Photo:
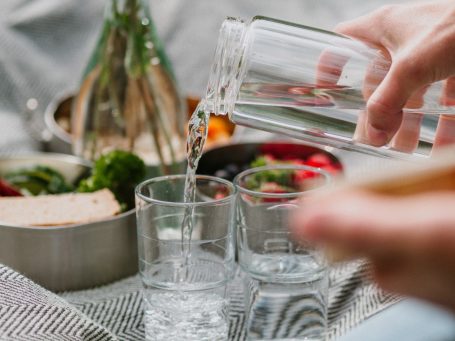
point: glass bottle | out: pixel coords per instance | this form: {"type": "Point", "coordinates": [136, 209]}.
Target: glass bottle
{"type": "Point", "coordinates": [313, 85]}
{"type": "Point", "coordinates": [128, 97]}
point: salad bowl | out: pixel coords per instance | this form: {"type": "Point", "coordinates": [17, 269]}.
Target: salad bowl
{"type": "Point", "coordinates": [69, 257]}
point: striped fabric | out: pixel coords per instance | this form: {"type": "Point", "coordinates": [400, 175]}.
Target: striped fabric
{"type": "Point", "coordinates": [118, 306]}
{"type": "Point", "coordinates": [114, 312]}
{"type": "Point", "coordinates": [31, 313]}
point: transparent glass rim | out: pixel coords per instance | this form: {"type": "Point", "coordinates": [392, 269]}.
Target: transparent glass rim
{"type": "Point", "coordinates": [240, 188]}
{"type": "Point", "coordinates": [150, 200]}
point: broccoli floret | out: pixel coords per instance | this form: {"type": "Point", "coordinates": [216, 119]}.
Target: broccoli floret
{"type": "Point", "coordinates": [120, 171]}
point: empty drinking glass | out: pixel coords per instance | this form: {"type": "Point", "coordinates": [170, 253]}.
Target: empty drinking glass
{"type": "Point", "coordinates": [185, 276]}
{"type": "Point", "coordinates": [285, 281]}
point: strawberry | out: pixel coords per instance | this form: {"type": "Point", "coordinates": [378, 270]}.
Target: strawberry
{"type": "Point", "coordinates": [318, 160]}
{"type": "Point", "coordinates": [304, 174]}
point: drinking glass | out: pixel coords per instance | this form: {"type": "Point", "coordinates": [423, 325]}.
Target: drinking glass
{"type": "Point", "coordinates": [285, 281]}
{"type": "Point", "coordinates": [185, 280]}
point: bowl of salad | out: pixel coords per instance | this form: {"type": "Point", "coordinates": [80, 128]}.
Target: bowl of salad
{"type": "Point", "coordinates": [229, 160]}
{"type": "Point", "coordinates": [66, 223]}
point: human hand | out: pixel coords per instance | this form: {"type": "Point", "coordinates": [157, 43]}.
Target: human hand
{"type": "Point", "coordinates": [409, 240]}
{"type": "Point", "coordinates": [419, 39]}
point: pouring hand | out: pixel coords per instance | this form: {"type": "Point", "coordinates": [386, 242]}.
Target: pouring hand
{"type": "Point", "coordinates": [420, 41]}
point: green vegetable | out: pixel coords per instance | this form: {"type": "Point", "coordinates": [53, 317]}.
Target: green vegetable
{"type": "Point", "coordinates": [282, 177]}
{"type": "Point", "coordinates": [120, 171]}
{"type": "Point", "coordinates": [259, 162]}
{"type": "Point", "coordinates": [38, 180]}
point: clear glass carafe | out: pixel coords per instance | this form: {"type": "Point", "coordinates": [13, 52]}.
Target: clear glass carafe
{"type": "Point", "coordinates": [128, 97]}
{"type": "Point", "coordinates": [313, 85]}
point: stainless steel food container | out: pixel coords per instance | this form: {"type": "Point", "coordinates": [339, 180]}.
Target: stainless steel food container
{"type": "Point", "coordinates": [71, 257]}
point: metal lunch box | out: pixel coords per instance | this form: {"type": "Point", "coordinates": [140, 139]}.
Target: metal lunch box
{"type": "Point", "coordinates": [71, 257]}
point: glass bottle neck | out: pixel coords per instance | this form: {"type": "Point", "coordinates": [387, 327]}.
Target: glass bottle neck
{"type": "Point", "coordinates": [226, 72]}
{"type": "Point", "coordinates": [139, 8]}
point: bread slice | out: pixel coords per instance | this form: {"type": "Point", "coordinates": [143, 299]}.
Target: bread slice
{"type": "Point", "coordinates": [58, 209]}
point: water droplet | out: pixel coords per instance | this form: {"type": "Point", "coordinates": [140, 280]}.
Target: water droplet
{"type": "Point", "coordinates": [145, 21]}
{"type": "Point", "coordinates": [155, 61]}
{"type": "Point", "coordinates": [149, 45]}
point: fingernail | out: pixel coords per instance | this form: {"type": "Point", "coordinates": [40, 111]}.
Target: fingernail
{"type": "Point", "coordinates": [376, 137]}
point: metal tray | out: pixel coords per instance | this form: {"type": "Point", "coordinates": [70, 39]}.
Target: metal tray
{"type": "Point", "coordinates": [71, 257]}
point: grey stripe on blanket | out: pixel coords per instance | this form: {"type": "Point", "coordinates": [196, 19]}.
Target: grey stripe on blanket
{"type": "Point", "coordinates": [29, 312]}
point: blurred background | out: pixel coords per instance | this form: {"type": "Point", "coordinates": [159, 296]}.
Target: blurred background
{"type": "Point", "coordinates": [45, 44]}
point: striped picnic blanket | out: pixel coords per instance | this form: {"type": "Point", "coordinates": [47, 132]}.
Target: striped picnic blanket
{"type": "Point", "coordinates": [115, 311]}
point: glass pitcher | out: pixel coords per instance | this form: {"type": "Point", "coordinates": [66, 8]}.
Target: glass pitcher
{"type": "Point", "coordinates": [313, 85]}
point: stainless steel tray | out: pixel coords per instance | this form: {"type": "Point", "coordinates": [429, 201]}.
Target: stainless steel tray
{"type": "Point", "coordinates": [69, 257]}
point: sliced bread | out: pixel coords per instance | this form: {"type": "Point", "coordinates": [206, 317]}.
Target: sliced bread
{"type": "Point", "coordinates": [60, 209]}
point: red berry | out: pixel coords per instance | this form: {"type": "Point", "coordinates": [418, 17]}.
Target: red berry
{"type": "Point", "coordinates": [318, 160]}
{"type": "Point", "coordinates": [302, 175]}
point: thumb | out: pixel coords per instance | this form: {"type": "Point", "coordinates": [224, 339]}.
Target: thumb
{"type": "Point", "coordinates": [385, 106]}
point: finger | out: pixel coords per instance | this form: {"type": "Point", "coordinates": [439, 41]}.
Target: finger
{"type": "Point", "coordinates": [374, 225]}
{"type": "Point", "coordinates": [448, 92]}
{"type": "Point", "coordinates": [331, 63]}
{"type": "Point", "coordinates": [407, 137]}
{"type": "Point", "coordinates": [445, 132]}
{"type": "Point", "coordinates": [374, 75]}
{"type": "Point", "coordinates": [385, 105]}
{"type": "Point", "coordinates": [360, 133]}
{"type": "Point", "coordinates": [329, 68]}
{"type": "Point", "coordinates": [360, 28]}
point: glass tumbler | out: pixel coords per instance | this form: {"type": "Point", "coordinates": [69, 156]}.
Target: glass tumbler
{"type": "Point", "coordinates": [285, 281]}
{"type": "Point", "coordinates": [185, 279]}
